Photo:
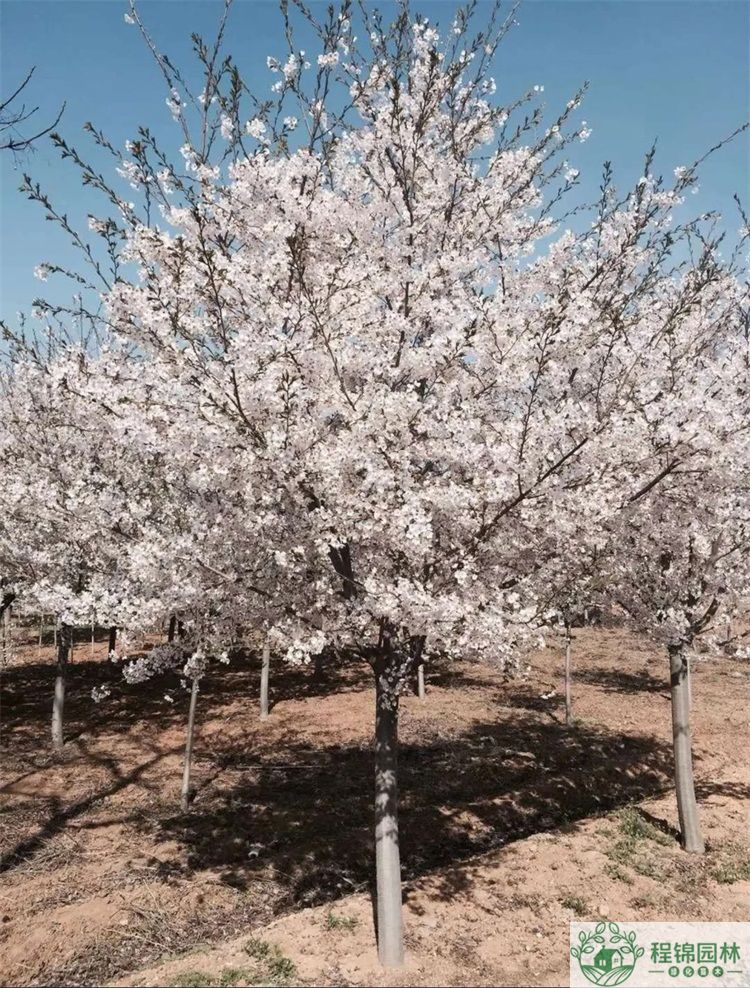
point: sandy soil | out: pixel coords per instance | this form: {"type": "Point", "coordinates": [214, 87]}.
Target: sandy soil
{"type": "Point", "coordinates": [512, 825]}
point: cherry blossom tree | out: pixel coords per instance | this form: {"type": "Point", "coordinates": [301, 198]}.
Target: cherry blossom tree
{"type": "Point", "coordinates": [334, 307]}
{"type": "Point", "coordinates": [680, 548]}
{"type": "Point", "coordinates": [421, 387]}
{"type": "Point", "coordinates": [366, 391]}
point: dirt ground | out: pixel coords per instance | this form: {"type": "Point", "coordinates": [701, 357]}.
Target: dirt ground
{"type": "Point", "coordinates": [512, 825]}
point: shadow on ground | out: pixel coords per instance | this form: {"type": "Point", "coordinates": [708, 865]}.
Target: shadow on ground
{"type": "Point", "coordinates": [622, 681]}
{"type": "Point", "coordinates": [307, 815]}
{"type": "Point", "coordinates": [298, 815]}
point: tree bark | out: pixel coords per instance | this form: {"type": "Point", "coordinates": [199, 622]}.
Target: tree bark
{"type": "Point", "coordinates": [64, 644]}
{"type": "Point", "coordinates": [387, 859]}
{"type": "Point", "coordinates": [112, 639]}
{"type": "Point", "coordinates": [264, 676]}
{"type": "Point", "coordinates": [185, 796]}
{"type": "Point", "coordinates": [568, 685]}
{"type": "Point", "coordinates": [687, 807]}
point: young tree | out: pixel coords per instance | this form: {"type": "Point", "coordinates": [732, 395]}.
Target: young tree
{"type": "Point", "coordinates": [680, 547]}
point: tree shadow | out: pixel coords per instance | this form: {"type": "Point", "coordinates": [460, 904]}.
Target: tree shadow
{"type": "Point", "coordinates": [445, 675]}
{"type": "Point", "coordinates": [306, 819]}
{"type": "Point", "coordinates": [621, 681]}
{"type": "Point", "coordinates": [60, 815]}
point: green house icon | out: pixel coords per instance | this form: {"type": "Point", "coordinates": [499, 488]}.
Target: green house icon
{"type": "Point", "coordinates": [608, 959]}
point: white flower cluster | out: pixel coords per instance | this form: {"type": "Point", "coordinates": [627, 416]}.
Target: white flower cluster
{"type": "Point", "coordinates": [358, 392]}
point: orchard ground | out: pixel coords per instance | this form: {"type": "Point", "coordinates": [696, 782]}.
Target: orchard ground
{"type": "Point", "coordinates": [512, 825]}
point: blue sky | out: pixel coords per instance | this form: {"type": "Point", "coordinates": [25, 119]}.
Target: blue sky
{"type": "Point", "coordinates": [675, 70]}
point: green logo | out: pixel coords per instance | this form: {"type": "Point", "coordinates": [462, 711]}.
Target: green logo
{"type": "Point", "coordinates": [606, 955]}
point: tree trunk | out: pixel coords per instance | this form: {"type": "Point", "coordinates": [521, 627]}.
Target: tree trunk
{"type": "Point", "coordinates": [64, 644]}
{"type": "Point", "coordinates": [318, 668]}
{"type": "Point", "coordinates": [417, 648]}
{"type": "Point", "coordinates": [112, 639]}
{"type": "Point", "coordinates": [172, 628]}
{"type": "Point", "coordinates": [687, 807]}
{"type": "Point", "coordinates": [5, 656]}
{"type": "Point", "coordinates": [264, 675]}
{"type": "Point", "coordinates": [93, 636]}
{"type": "Point", "coordinates": [568, 690]}
{"type": "Point", "coordinates": [387, 860]}
{"type": "Point", "coordinates": [5, 601]}
{"type": "Point", "coordinates": [420, 681]}
{"type": "Point", "coordinates": [6, 635]}
{"type": "Point", "coordinates": [185, 798]}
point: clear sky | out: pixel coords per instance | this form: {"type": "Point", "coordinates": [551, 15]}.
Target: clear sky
{"type": "Point", "coordinates": [674, 70]}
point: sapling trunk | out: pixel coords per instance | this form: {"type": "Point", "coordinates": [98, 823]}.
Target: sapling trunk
{"type": "Point", "coordinates": [64, 646]}
{"type": "Point", "coordinates": [185, 797]}
{"type": "Point", "coordinates": [93, 636]}
{"type": "Point", "coordinates": [6, 635]}
{"type": "Point", "coordinates": [420, 681]}
{"type": "Point", "coordinates": [264, 676]}
{"type": "Point", "coordinates": [112, 639]}
{"type": "Point", "coordinates": [5, 656]}
{"type": "Point", "coordinates": [568, 685]}
{"type": "Point", "coordinates": [172, 628]}
{"type": "Point", "coordinates": [387, 860]}
{"type": "Point", "coordinates": [417, 650]}
{"type": "Point", "coordinates": [687, 807]}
